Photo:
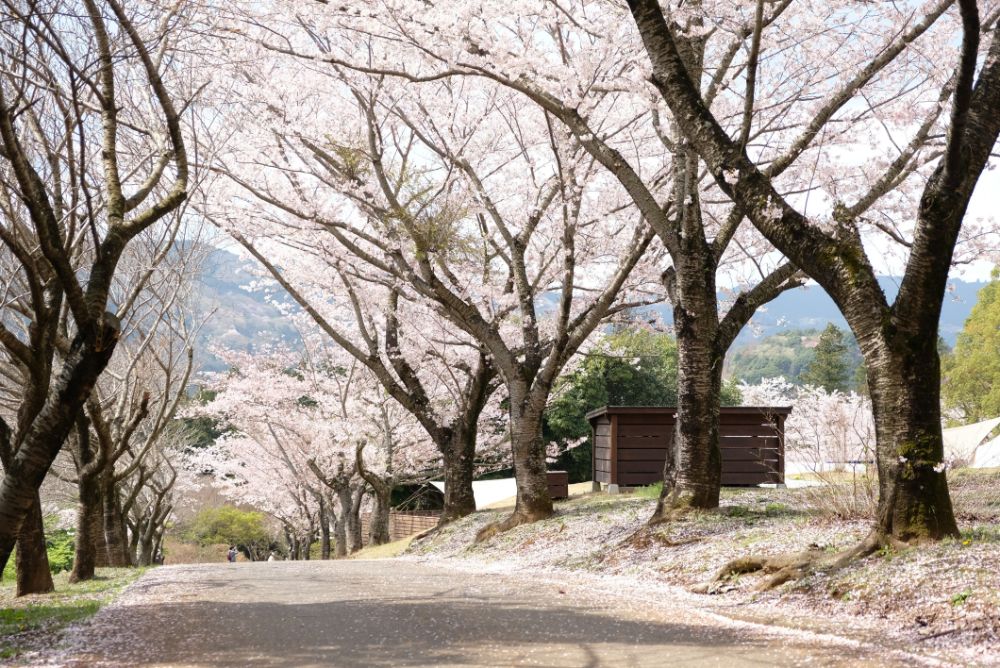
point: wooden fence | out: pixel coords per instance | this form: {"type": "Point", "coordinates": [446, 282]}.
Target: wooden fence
{"type": "Point", "coordinates": [403, 523]}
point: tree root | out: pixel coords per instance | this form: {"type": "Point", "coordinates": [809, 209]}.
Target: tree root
{"type": "Point", "coordinates": [647, 535]}
{"type": "Point", "coordinates": [515, 519]}
{"type": "Point", "coordinates": [669, 514]}
{"type": "Point", "coordinates": [789, 567]}
{"type": "Point", "coordinates": [427, 533]}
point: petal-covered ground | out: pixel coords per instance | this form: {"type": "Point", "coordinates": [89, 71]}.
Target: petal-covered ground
{"type": "Point", "coordinates": [401, 613]}
{"type": "Point", "coordinates": [942, 600]}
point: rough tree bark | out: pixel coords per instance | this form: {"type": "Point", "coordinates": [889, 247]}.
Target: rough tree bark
{"type": "Point", "coordinates": [86, 359]}
{"type": "Point", "coordinates": [533, 502]}
{"type": "Point", "coordinates": [115, 541]}
{"type": "Point", "coordinates": [459, 470]}
{"type": "Point", "coordinates": [340, 535]}
{"type": "Point", "coordinates": [898, 341]}
{"type": "Point", "coordinates": [34, 575]}
{"type": "Point", "coordinates": [381, 486]}
{"type": "Point", "coordinates": [349, 496]}
{"type": "Point", "coordinates": [324, 530]}
{"type": "Point", "coordinates": [354, 499]}
{"type": "Point", "coordinates": [122, 218]}
{"type": "Point", "coordinates": [89, 544]}
{"type": "Point", "coordinates": [32, 560]}
{"type": "Point", "coordinates": [89, 523]}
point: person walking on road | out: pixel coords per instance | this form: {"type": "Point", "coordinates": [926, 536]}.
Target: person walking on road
{"type": "Point", "coordinates": [231, 557]}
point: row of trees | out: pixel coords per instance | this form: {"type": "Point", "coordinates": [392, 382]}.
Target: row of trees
{"type": "Point", "coordinates": [308, 435]}
{"type": "Point", "coordinates": [95, 337]}
{"type": "Point", "coordinates": [700, 126]}
{"type": "Point", "coordinates": [459, 195]}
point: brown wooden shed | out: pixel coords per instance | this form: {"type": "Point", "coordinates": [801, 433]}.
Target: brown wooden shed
{"type": "Point", "coordinates": [631, 444]}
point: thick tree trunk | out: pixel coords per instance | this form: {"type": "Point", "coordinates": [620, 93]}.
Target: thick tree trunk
{"type": "Point", "coordinates": [85, 361]}
{"type": "Point", "coordinates": [158, 546]}
{"type": "Point", "coordinates": [347, 519]}
{"type": "Point", "coordinates": [459, 469]}
{"type": "Point", "coordinates": [898, 341]}
{"type": "Point", "coordinates": [306, 545]}
{"type": "Point", "coordinates": [145, 556]}
{"type": "Point", "coordinates": [32, 561]}
{"type": "Point", "coordinates": [693, 472]}
{"type": "Point", "coordinates": [116, 544]}
{"type": "Point", "coordinates": [528, 448]}
{"type": "Point", "coordinates": [340, 536]}
{"type": "Point", "coordinates": [355, 540]}
{"type": "Point", "coordinates": [99, 534]}
{"type": "Point", "coordinates": [533, 502]}
{"type": "Point", "coordinates": [378, 526]}
{"type": "Point", "coordinates": [324, 531]}
{"type": "Point", "coordinates": [904, 382]}
{"type": "Point", "coordinates": [89, 529]}
{"type": "Point", "coordinates": [134, 536]}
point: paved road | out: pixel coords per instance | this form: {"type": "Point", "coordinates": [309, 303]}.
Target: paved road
{"type": "Point", "coordinates": [398, 613]}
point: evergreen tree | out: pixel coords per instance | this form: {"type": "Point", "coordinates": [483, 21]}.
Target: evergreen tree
{"type": "Point", "coordinates": [970, 382]}
{"type": "Point", "coordinates": [830, 367]}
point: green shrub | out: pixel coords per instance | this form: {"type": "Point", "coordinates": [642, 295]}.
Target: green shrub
{"type": "Point", "coordinates": [60, 546]}
{"type": "Point", "coordinates": [226, 524]}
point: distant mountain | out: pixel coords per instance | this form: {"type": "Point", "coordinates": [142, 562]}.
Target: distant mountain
{"type": "Point", "coordinates": [810, 308]}
{"type": "Point", "coordinates": [245, 319]}
{"type": "Point", "coordinates": [236, 317]}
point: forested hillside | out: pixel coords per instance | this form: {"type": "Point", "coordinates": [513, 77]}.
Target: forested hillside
{"type": "Point", "coordinates": [787, 354]}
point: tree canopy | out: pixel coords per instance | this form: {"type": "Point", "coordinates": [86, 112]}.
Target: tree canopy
{"type": "Point", "coordinates": [971, 373]}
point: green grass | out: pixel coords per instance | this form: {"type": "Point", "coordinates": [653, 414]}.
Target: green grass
{"type": "Point", "coordinates": [31, 621]}
{"type": "Point", "coordinates": [649, 492]}
{"type": "Point", "coordinates": [960, 598]}
{"type": "Point", "coordinates": [386, 551]}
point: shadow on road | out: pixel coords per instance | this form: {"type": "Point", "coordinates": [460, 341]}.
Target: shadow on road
{"type": "Point", "coordinates": [364, 615]}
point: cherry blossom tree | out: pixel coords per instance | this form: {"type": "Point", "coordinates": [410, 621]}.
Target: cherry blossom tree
{"type": "Point", "coordinates": [694, 473]}
{"type": "Point", "coordinates": [464, 203]}
{"type": "Point", "coordinates": [899, 98]}
{"type": "Point", "coordinates": [444, 379]}
{"type": "Point", "coordinates": [86, 169]}
{"type": "Point", "coordinates": [593, 73]}
{"type": "Point", "coordinates": [825, 428]}
{"type": "Point", "coordinates": [898, 341]}
{"type": "Point", "coordinates": [300, 417]}
{"type": "Point", "coordinates": [152, 492]}
{"type": "Point", "coordinates": [135, 400]}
